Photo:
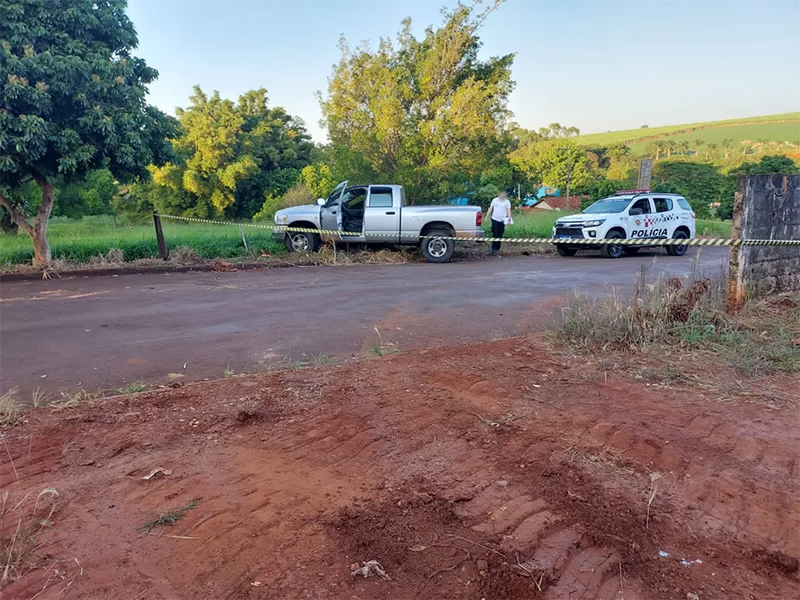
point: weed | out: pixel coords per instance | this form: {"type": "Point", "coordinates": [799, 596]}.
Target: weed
{"type": "Point", "coordinates": [651, 495]}
{"type": "Point", "coordinates": [227, 373]}
{"type": "Point", "coordinates": [10, 412]}
{"type": "Point", "coordinates": [133, 388]}
{"type": "Point", "coordinates": [595, 456]}
{"type": "Point", "coordinates": [73, 400]}
{"type": "Point", "coordinates": [168, 519]}
{"type": "Point", "coordinates": [376, 350]}
{"type": "Point", "coordinates": [40, 397]}
{"type": "Point", "coordinates": [324, 360]}
{"type": "Point", "coordinates": [19, 543]}
{"type": "Point", "coordinates": [759, 340]}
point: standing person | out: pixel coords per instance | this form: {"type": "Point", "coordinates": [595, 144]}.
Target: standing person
{"type": "Point", "coordinates": [500, 210]}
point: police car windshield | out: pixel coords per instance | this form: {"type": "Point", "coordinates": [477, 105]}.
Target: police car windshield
{"type": "Point", "coordinates": [608, 205]}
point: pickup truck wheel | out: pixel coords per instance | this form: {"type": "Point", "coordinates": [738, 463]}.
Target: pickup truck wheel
{"type": "Point", "coordinates": [435, 249]}
{"type": "Point", "coordinates": [565, 250]}
{"type": "Point", "coordinates": [678, 250]}
{"type": "Point", "coordinates": [612, 250]}
{"type": "Point", "coordinates": [298, 241]}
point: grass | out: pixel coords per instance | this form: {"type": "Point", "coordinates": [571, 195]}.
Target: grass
{"type": "Point", "coordinates": [20, 532]}
{"type": "Point", "coordinates": [784, 125]}
{"type": "Point", "coordinates": [169, 518]}
{"type": "Point", "coordinates": [96, 242]}
{"type": "Point", "coordinates": [762, 339]}
{"type": "Point", "coordinates": [710, 228]}
{"type": "Point", "coordinates": [133, 388]}
{"type": "Point", "coordinates": [87, 239]}
{"type": "Point", "coordinates": [10, 412]}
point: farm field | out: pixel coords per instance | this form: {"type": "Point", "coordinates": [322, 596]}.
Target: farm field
{"type": "Point", "coordinates": [782, 127]}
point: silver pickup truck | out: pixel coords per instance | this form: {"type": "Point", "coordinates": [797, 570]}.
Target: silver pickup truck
{"type": "Point", "coordinates": [378, 214]}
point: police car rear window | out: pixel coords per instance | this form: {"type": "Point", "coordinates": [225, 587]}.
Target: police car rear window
{"type": "Point", "coordinates": [684, 204]}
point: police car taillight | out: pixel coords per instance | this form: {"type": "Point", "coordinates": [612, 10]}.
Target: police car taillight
{"type": "Point", "coordinates": [478, 219]}
{"type": "Point", "coordinates": [693, 215]}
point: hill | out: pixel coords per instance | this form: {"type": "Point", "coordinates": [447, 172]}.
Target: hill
{"type": "Point", "coordinates": [772, 128]}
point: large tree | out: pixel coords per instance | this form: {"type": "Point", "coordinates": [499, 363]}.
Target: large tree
{"type": "Point", "coordinates": [230, 155]}
{"type": "Point", "coordinates": [425, 113]}
{"type": "Point", "coordinates": [73, 99]}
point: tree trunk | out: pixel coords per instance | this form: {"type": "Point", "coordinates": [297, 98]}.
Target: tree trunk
{"type": "Point", "coordinates": [41, 246]}
{"type": "Point", "coordinates": [8, 225]}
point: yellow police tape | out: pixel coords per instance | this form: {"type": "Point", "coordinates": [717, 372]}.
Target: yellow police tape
{"type": "Point", "coordinates": [513, 240]}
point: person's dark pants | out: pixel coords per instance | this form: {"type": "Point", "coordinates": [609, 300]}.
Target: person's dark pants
{"type": "Point", "coordinates": [498, 228]}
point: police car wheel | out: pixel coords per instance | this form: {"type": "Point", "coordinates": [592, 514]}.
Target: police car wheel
{"type": "Point", "coordinates": [565, 250]}
{"type": "Point", "coordinates": [612, 250]}
{"type": "Point", "coordinates": [681, 249]}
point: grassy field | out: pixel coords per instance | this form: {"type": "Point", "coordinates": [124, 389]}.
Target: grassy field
{"type": "Point", "coordinates": [783, 127]}
{"type": "Point", "coordinates": [78, 241]}
{"type": "Point", "coordinates": [81, 241]}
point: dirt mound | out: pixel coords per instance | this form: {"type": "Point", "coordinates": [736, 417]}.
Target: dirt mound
{"type": "Point", "coordinates": [492, 471]}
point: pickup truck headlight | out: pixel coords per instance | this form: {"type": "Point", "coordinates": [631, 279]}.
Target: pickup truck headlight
{"type": "Point", "coordinates": [595, 223]}
{"type": "Point", "coordinates": [280, 219]}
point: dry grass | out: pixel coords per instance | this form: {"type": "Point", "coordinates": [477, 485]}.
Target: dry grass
{"type": "Point", "coordinates": [668, 313]}
{"type": "Point", "coordinates": [10, 410]}
{"type": "Point", "coordinates": [114, 257]}
{"type": "Point", "coordinates": [593, 456]}
{"type": "Point", "coordinates": [75, 400]}
{"type": "Point", "coordinates": [21, 527]}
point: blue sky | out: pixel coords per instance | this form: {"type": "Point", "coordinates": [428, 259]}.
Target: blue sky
{"type": "Point", "coordinates": [596, 64]}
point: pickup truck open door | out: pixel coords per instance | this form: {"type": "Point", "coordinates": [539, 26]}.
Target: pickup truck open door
{"type": "Point", "coordinates": [330, 216]}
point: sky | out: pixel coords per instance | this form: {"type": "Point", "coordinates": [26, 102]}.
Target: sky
{"type": "Point", "coordinates": [599, 65]}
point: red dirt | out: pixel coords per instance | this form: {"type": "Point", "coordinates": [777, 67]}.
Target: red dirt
{"type": "Point", "coordinates": [492, 471]}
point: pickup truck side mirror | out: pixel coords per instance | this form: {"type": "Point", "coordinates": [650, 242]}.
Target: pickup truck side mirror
{"type": "Point", "coordinates": [635, 211]}
{"type": "Point", "coordinates": [321, 201]}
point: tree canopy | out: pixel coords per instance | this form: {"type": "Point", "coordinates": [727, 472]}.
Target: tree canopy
{"type": "Point", "coordinates": [425, 113]}
{"type": "Point", "coordinates": [73, 100]}
{"type": "Point", "coordinates": [230, 156]}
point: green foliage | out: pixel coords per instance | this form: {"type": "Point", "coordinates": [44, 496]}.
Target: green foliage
{"type": "Point", "coordinates": [768, 164]}
{"type": "Point", "coordinates": [92, 196]}
{"type": "Point", "coordinates": [425, 113]}
{"type": "Point", "coordinates": [231, 155]}
{"type": "Point", "coordinates": [318, 179]}
{"type": "Point", "coordinates": [73, 100]}
{"type": "Point", "coordinates": [548, 161]}
{"type": "Point", "coordinates": [699, 183]}
{"type": "Point", "coordinates": [484, 195]}
{"type": "Point", "coordinates": [297, 195]}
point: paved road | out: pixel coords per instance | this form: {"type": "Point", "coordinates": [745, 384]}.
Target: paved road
{"type": "Point", "coordinates": [100, 333]}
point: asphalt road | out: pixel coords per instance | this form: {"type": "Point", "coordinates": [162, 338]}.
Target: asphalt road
{"type": "Point", "coordinates": [101, 333]}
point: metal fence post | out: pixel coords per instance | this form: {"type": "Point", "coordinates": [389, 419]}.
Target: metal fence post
{"type": "Point", "coordinates": [163, 252]}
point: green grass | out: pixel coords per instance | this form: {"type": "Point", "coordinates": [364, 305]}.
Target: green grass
{"type": "Point", "coordinates": [530, 224]}
{"type": "Point", "coordinates": [782, 127]}
{"type": "Point", "coordinates": [77, 241]}
{"type": "Point", "coordinates": [713, 228]}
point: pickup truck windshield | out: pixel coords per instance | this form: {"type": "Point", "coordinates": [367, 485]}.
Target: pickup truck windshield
{"type": "Point", "coordinates": [607, 205]}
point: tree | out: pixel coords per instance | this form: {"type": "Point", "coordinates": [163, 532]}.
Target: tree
{"type": "Point", "coordinates": [671, 146]}
{"type": "Point", "coordinates": [92, 196]}
{"type": "Point", "coordinates": [698, 144]}
{"type": "Point", "coordinates": [318, 179]}
{"type": "Point", "coordinates": [551, 161]}
{"type": "Point", "coordinates": [711, 149]}
{"type": "Point", "coordinates": [699, 183]}
{"type": "Point", "coordinates": [745, 146]}
{"type": "Point", "coordinates": [73, 100]}
{"type": "Point", "coordinates": [424, 113]}
{"type": "Point", "coordinates": [727, 145]}
{"type": "Point", "coordinates": [767, 164]}
{"type": "Point", "coordinates": [231, 155]}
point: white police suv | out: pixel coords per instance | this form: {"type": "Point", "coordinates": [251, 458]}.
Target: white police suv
{"type": "Point", "coordinates": [629, 214]}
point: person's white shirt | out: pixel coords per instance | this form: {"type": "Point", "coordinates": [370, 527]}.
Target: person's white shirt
{"type": "Point", "coordinates": [501, 210]}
